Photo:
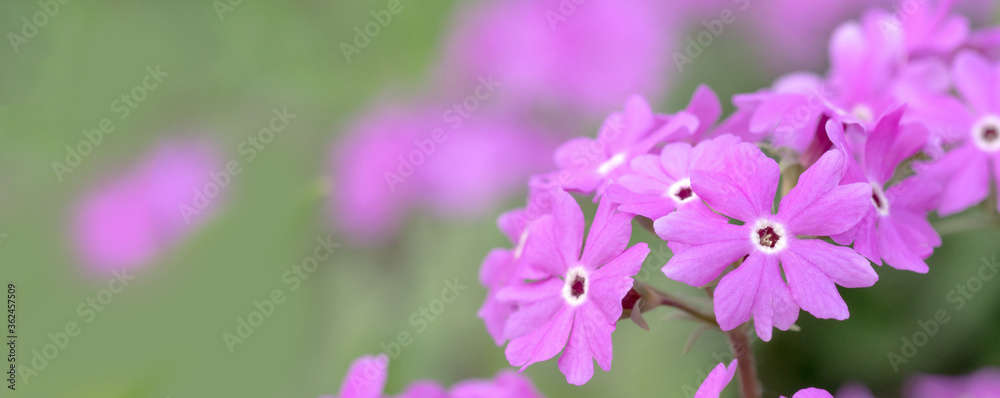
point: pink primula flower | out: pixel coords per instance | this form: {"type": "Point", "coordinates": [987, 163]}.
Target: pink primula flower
{"type": "Point", "coordinates": [745, 191]}
{"type": "Point", "coordinates": [895, 228]}
{"type": "Point", "coordinates": [966, 171]}
{"type": "Point", "coordinates": [659, 184]}
{"type": "Point", "coordinates": [575, 300]}
{"type": "Point", "coordinates": [128, 221]}
{"type": "Point", "coordinates": [589, 165]}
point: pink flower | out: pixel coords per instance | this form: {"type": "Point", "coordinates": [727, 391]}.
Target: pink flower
{"type": "Point", "coordinates": [500, 266]}
{"type": "Point", "coordinates": [722, 375]}
{"type": "Point", "coordinates": [717, 380]}
{"type": "Point", "coordinates": [394, 161]}
{"type": "Point", "coordinates": [895, 228]}
{"type": "Point", "coordinates": [811, 393]}
{"type": "Point", "coordinates": [506, 384]}
{"type": "Point", "coordinates": [575, 300]}
{"type": "Point", "coordinates": [745, 191]}
{"type": "Point", "coordinates": [580, 57]}
{"type": "Point", "coordinates": [130, 220]}
{"type": "Point", "coordinates": [985, 383]}
{"type": "Point", "coordinates": [659, 184]}
{"type": "Point", "coordinates": [365, 378]}
{"type": "Point", "coordinates": [854, 390]}
{"type": "Point", "coordinates": [965, 171]}
{"type": "Point", "coordinates": [589, 165]}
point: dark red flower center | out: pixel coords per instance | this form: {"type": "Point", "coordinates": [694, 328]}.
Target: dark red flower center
{"type": "Point", "coordinates": [990, 134]}
{"type": "Point", "coordinates": [578, 288]}
{"type": "Point", "coordinates": [877, 201]}
{"type": "Point", "coordinates": [684, 193]}
{"type": "Point", "coordinates": [768, 237]}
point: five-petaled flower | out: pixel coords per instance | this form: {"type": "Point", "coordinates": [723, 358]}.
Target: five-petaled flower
{"type": "Point", "coordinates": [573, 299]}
{"type": "Point", "coordinates": [745, 191]}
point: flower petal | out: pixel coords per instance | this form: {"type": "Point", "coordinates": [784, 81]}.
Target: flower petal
{"type": "Point", "coordinates": [610, 283]}
{"type": "Point", "coordinates": [717, 380]}
{"type": "Point", "coordinates": [542, 344]}
{"type": "Point", "coordinates": [897, 252]}
{"type": "Point", "coordinates": [589, 340]}
{"type": "Point", "coordinates": [745, 190]}
{"type": "Point", "coordinates": [977, 80]}
{"type": "Point", "coordinates": [710, 244]}
{"type": "Point", "coordinates": [817, 206]}
{"type": "Point", "coordinates": [365, 378]}
{"type": "Point", "coordinates": [608, 236]}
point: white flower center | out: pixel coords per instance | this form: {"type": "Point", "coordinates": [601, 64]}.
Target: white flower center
{"type": "Point", "coordinates": [576, 287]}
{"type": "Point", "coordinates": [611, 164]}
{"type": "Point", "coordinates": [863, 113]}
{"type": "Point", "coordinates": [768, 236]}
{"type": "Point", "coordinates": [986, 133]}
{"type": "Point", "coordinates": [681, 191]}
{"type": "Point", "coordinates": [879, 200]}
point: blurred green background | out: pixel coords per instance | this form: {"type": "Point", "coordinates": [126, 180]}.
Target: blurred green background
{"type": "Point", "coordinates": [162, 336]}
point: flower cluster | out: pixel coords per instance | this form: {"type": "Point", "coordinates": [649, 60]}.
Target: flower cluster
{"type": "Point", "coordinates": [770, 209]}
{"type": "Point", "coordinates": [799, 191]}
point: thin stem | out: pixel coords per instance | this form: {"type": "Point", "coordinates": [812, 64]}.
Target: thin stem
{"type": "Point", "coordinates": [965, 223]}
{"type": "Point", "coordinates": [655, 298]}
{"type": "Point", "coordinates": [743, 350]}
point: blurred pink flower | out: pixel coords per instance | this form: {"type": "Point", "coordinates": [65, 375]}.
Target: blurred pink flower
{"type": "Point", "coordinates": [393, 161]}
{"type": "Point", "coordinates": [587, 56]}
{"type": "Point", "coordinates": [127, 221]}
{"type": "Point", "coordinates": [985, 383]}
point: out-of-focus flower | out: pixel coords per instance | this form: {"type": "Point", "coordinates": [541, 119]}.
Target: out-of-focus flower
{"type": "Point", "coordinates": [506, 384]}
{"type": "Point", "coordinates": [722, 375]}
{"type": "Point", "coordinates": [658, 184]}
{"type": "Point", "coordinates": [895, 228]}
{"type": "Point", "coordinates": [985, 383]}
{"type": "Point", "coordinates": [590, 165]}
{"type": "Point", "coordinates": [717, 380]}
{"type": "Point", "coordinates": [964, 172]}
{"type": "Point", "coordinates": [572, 55]}
{"type": "Point", "coordinates": [392, 162]}
{"type": "Point", "coordinates": [816, 206]}
{"type": "Point", "coordinates": [500, 267]}
{"type": "Point", "coordinates": [129, 220]}
{"type": "Point", "coordinates": [365, 378]}
{"type": "Point", "coordinates": [575, 300]}
{"type": "Point", "coordinates": [854, 390]}
{"type": "Point", "coordinates": [877, 63]}
{"type": "Point", "coordinates": [811, 393]}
